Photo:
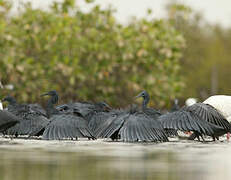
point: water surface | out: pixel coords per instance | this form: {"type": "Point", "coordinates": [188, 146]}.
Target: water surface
{"type": "Point", "coordinates": [23, 159]}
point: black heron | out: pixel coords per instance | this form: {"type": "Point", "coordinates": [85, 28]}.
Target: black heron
{"type": "Point", "coordinates": [63, 125]}
{"type": "Point", "coordinates": [30, 118]}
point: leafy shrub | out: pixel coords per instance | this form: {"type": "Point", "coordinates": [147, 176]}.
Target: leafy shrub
{"type": "Point", "coordinates": [88, 56]}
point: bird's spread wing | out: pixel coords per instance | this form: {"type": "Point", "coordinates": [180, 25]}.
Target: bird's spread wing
{"type": "Point", "coordinates": [111, 125]}
{"type": "Point", "coordinates": [209, 114]}
{"type": "Point", "coordinates": [171, 132]}
{"type": "Point", "coordinates": [30, 123]}
{"type": "Point", "coordinates": [66, 126]}
{"type": "Point", "coordinates": [7, 120]}
{"type": "Point", "coordinates": [152, 113]}
{"type": "Point", "coordinates": [98, 119]}
{"type": "Point", "coordinates": [85, 109]}
{"type": "Point", "coordinates": [37, 108]}
{"type": "Point", "coordinates": [139, 127]}
{"type": "Point", "coordinates": [187, 121]}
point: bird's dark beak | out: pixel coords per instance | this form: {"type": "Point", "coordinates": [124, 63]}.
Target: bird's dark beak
{"type": "Point", "coordinates": [139, 95]}
{"type": "Point", "coordinates": [45, 94]}
{"type": "Point", "coordinates": [108, 108]}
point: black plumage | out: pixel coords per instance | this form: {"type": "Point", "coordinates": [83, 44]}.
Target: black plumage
{"type": "Point", "coordinates": [37, 108]}
{"type": "Point", "coordinates": [153, 113]}
{"type": "Point", "coordinates": [86, 109]}
{"type": "Point", "coordinates": [139, 127]}
{"type": "Point", "coordinates": [175, 106]}
{"type": "Point", "coordinates": [132, 127]}
{"type": "Point", "coordinates": [63, 125]}
{"type": "Point", "coordinates": [15, 108]}
{"type": "Point", "coordinates": [173, 132]}
{"type": "Point", "coordinates": [187, 121]}
{"type": "Point", "coordinates": [99, 118]}
{"type": "Point", "coordinates": [50, 110]}
{"type": "Point", "coordinates": [208, 113]}
{"type": "Point", "coordinates": [30, 122]}
{"type": "Point", "coordinates": [20, 109]}
{"type": "Point", "coordinates": [7, 120]}
{"type": "Point", "coordinates": [30, 117]}
{"type": "Point", "coordinates": [111, 124]}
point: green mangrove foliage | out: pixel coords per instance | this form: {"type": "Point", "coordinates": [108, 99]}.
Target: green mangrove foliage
{"type": "Point", "coordinates": [88, 55]}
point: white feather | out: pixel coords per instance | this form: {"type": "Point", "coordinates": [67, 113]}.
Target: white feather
{"type": "Point", "coordinates": [190, 101]}
{"type": "Point", "coordinates": [1, 107]}
{"type": "Point", "coordinates": [222, 103]}
{"type": "Point", "coordinates": [229, 118]}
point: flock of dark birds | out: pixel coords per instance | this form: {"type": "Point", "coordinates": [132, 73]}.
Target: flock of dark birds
{"type": "Point", "coordinates": [98, 120]}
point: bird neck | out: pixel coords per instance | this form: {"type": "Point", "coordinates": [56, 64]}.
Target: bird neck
{"type": "Point", "coordinates": [101, 107]}
{"type": "Point", "coordinates": [12, 102]}
{"type": "Point", "coordinates": [145, 101]}
{"type": "Point", "coordinates": [50, 109]}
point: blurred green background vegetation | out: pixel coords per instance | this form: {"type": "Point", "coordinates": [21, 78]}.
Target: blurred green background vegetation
{"type": "Point", "coordinates": [90, 56]}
